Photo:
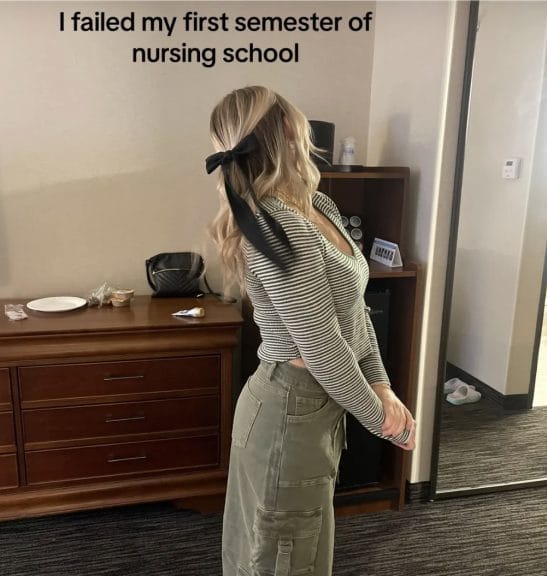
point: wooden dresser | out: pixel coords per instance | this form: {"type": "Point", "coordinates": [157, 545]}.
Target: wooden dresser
{"type": "Point", "coordinates": [101, 407]}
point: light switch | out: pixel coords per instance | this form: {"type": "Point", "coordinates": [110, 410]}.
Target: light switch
{"type": "Point", "coordinates": [511, 168]}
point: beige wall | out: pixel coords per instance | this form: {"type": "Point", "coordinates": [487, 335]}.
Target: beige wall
{"type": "Point", "coordinates": [416, 90]}
{"type": "Point", "coordinates": [102, 161]}
{"type": "Point", "coordinates": [503, 223]}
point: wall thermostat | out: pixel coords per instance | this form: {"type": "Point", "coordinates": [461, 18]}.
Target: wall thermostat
{"type": "Point", "coordinates": [511, 168]}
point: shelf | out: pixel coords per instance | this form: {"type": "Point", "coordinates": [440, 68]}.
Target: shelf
{"type": "Point", "coordinates": [378, 270]}
{"type": "Point", "coordinates": [370, 172]}
{"type": "Point", "coordinates": [375, 195]}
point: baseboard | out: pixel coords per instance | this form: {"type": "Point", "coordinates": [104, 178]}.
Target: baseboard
{"type": "Point", "coordinates": [417, 492]}
{"type": "Point", "coordinates": [507, 402]}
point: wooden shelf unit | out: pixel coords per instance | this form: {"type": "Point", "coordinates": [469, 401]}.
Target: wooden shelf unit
{"type": "Point", "coordinates": [377, 196]}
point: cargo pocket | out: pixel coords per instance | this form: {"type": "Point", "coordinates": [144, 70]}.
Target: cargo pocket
{"type": "Point", "coordinates": [285, 543]}
{"type": "Point", "coordinates": [247, 409]}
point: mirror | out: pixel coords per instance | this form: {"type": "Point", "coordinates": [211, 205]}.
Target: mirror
{"type": "Point", "coordinates": [491, 416]}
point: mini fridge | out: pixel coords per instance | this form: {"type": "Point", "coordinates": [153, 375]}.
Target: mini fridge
{"type": "Point", "coordinates": [361, 463]}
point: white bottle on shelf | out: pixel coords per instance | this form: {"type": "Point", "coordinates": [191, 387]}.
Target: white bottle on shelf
{"type": "Point", "coordinates": [347, 151]}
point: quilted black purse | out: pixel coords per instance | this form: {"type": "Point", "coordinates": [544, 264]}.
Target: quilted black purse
{"type": "Point", "coordinates": [172, 274]}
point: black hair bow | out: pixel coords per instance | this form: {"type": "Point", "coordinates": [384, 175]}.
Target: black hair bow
{"type": "Point", "coordinates": [246, 146]}
{"type": "Point", "coordinates": [242, 212]}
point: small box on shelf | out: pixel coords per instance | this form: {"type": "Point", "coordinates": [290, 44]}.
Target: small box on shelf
{"type": "Point", "coordinates": [387, 253]}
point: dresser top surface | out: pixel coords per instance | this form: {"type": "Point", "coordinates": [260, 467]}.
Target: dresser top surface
{"type": "Point", "coordinates": [144, 313]}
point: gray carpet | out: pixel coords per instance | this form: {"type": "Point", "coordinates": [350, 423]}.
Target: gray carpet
{"type": "Point", "coordinates": [499, 534]}
{"type": "Point", "coordinates": [482, 444]}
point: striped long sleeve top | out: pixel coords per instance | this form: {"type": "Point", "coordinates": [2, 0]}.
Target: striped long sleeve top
{"type": "Point", "coordinates": [316, 310]}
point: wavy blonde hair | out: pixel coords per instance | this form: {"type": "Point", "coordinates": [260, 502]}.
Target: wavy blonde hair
{"type": "Point", "coordinates": [280, 167]}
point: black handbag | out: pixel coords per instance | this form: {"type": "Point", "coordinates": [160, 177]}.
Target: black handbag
{"type": "Point", "coordinates": [172, 274]}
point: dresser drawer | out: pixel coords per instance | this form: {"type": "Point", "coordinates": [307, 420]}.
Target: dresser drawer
{"type": "Point", "coordinates": [7, 435]}
{"type": "Point", "coordinates": [112, 460]}
{"type": "Point", "coordinates": [8, 471]}
{"type": "Point", "coordinates": [81, 383]}
{"type": "Point", "coordinates": [105, 420]}
{"type": "Point", "coordinates": [5, 392]}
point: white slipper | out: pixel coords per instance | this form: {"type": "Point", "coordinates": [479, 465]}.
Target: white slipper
{"type": "Point", "coordinates": [464, 394]}
{"type": "Point", "coordinates": [453, 384]}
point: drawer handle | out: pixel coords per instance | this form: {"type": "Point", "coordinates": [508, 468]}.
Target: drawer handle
{"type": "Point", "coordinates": [128, 419]}
{"type": "Point", "coordinates": [111, 460]}
{"type": "Point", "coordinates": [110, 378]}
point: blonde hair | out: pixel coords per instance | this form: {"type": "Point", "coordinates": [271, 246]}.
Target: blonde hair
{"type": "Point", "coordinates": [280, 167]}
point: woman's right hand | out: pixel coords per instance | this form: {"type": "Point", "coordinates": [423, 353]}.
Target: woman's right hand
{"type": "Point", "coordinates": [397, 417]}
{"type": "Point", "coordinates": [410, 444]}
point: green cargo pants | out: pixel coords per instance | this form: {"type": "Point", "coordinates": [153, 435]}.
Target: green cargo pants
{"type": "Point", "coordinates": [287, 439]}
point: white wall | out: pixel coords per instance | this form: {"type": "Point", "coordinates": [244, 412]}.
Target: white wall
{"type": "Point", "coordinates": [503, 223]}
{"type": "Point", "coordinates": [534, 247]}
{"type": "Point", "coordinates": [416, 89]}
{"type": "Point", "coordinates": [102, 161]}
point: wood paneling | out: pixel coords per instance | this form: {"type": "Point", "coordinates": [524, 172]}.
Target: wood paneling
{"type": "Point", "coordinates": [8, 471]}
{"type": "Point", "coordinates": [7, 433]}
{"type": "Point", "coordinates": [5, 392]}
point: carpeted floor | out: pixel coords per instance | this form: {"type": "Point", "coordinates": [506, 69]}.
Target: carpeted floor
{"type": "Point", "coordinates": [500, 534]}
{"type": "Point", "coordinates": [482, 444]}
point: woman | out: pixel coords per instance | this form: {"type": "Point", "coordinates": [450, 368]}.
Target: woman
{"type": "Point", "coordinates": [286, 246]}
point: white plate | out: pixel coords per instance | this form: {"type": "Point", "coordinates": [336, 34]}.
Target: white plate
{"type": "Point", "coordinates": [57, 304]}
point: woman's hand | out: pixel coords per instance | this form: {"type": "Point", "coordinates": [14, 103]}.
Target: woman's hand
{"type": "Point", "coordinates": [397, 417]}
{"type": "Point", "coordinates": [410, 444]}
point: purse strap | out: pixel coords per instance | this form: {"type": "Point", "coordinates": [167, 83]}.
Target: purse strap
{"type": "Point", "coordinates": [148, 276]}
{"type": "Point", "coordinates": [221, 297]}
